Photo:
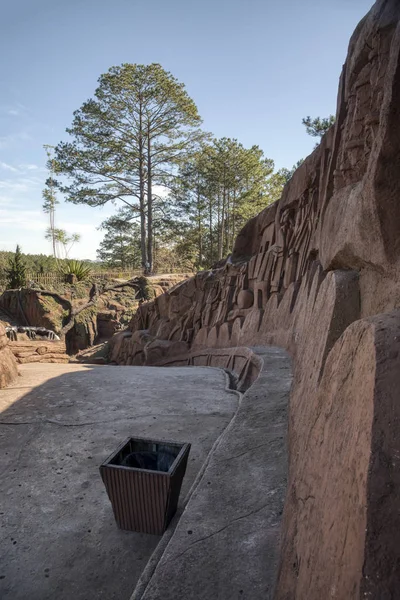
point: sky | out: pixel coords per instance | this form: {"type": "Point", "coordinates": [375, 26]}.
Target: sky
{"type": "Point", "coordinates": [254, 68]}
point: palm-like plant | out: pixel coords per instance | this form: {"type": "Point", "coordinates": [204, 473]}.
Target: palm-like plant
{"type": "Point", "coordinates": [75, 267]}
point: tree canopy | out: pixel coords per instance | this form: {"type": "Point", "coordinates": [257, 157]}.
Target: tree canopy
{"type": "Point", "coordinates": [16, 272]}
{"type": "Point", "coordinates": [217, 190]}
{"type": "Point", "coordinates": [319, 126]}
{"type": "Point", "coordinates": [183, 195]}
{"type": "Point", "coordinates": [130, 137]}
{"type": "Point", "coordinates": [120, 247]}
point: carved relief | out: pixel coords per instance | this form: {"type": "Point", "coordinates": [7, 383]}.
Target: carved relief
{"type": "Point", "coordinates": [363, 96]}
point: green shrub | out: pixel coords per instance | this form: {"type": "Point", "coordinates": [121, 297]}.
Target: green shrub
{"type": "Point", "coordinates": [75, 267]}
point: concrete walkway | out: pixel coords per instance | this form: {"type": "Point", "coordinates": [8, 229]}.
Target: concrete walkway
{"type": "Point", "coordinates": [226, 543]}
{"type": "Point", "coordinates": [58, 539]}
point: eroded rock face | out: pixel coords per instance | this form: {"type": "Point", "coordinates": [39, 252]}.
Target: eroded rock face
{"type": "Point", "coordinates": [8, 364]}
{"type": "Point", "coordinates": [29, 351]}
{"type": "Point", "coordinates": [342, 515]}
{"type": "Point", "coordinates": [318, 273]}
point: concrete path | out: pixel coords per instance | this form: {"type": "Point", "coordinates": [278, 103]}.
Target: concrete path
{"type": "Point", "coordinates": [226, 543]}
{"type": "Point", "coordinates": [58, 539]}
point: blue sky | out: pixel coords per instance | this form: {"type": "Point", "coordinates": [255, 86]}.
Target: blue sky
{"type": "Point", "coordinates": [253, 67]}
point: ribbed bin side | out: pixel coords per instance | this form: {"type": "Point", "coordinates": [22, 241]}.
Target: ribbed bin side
{"type": "Point", "coordinates": [139, 498]}
{"type": "Point", "coordinates": [175, 487]}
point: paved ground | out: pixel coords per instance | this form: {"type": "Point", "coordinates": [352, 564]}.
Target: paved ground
{"type": "Point", "coordinates": [226, 543]}
{"type": "Point", "coordinates": [58, 539]}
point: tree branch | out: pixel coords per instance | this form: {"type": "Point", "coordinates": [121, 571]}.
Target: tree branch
{"type": "Point", "coordinates": [94, 295]}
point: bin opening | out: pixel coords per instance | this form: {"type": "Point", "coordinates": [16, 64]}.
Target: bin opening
{"type": "Point", "coordinates": [152, 456]}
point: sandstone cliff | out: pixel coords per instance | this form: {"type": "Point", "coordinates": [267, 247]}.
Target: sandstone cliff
{"type": "Point", "coordinates": [318, 273]}
{"type": "Point", "coordinates": [8, 364]}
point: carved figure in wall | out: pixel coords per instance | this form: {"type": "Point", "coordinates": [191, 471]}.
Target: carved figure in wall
{"type": "Point", "coordinates": [364, 93]}
{"type": "Point", "coordinates": [287, 224]}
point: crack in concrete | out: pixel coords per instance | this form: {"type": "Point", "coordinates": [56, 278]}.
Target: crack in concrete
{"type": "Point", "coordinates": [246, 451]}
{"type": "Point", "coordinates": [86, 423]}
{"type": "Point", "coordinates": [253, 512]}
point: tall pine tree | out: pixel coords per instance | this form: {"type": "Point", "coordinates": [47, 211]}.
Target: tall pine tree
{"type": "Point", "coordinates": [128, 139]}
{"type": "Point", "coordinates": [16, 272]}
{"type": "Point", "coordinates": [219, 188]}
{"type": "Point", "coordinates": [120, 247]}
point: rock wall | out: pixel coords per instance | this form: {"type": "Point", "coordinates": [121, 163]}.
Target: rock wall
{"type": "Point", "coordinates": [8, 364]}
{"type": "Point", "coordinates": [95, 325]}
{"type": "Point", "coordinates": [29, 351]}
{"type": "Point", "coordinates": [28, 308]}
{"type": "Point", "coordinates": [318, 274]}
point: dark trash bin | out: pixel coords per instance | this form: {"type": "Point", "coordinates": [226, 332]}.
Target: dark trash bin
{"type": "Point", "coordinates": [143, 479]}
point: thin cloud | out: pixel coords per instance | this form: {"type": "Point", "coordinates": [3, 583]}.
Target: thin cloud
{"type": "Point", "coordinates": [25, 167]}
{"type": "Point", "coordinates": [28, 220]}
{"type": "Point", "coordinates": [14, 186]}
{"type": "Point", "coordinates": [6, 201]}
{"type": "Point", "coordinates": [17, 190]}
{"type": "Point", "coordinates": [20, 184]}
{"type": "Point", "coordinates": [6, 141]}
{"type": "Point", "coordinates": [6, 167]}
{"type": "Point", "coordinates": [82, 228]}
{"type": "Point", "coordinates": [15, 110]}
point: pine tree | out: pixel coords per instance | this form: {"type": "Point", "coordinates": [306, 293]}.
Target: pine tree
{"type": "Point", "coordinates": [16, 273]}
{"type": "Point", "coordinates": [219, 188]}
{"type": "Point", "coordinates": [128, 139]}
{"type": "Point", "coordinates": [120, 247]}
{"type": "Point", "coordinates": [318, 127]}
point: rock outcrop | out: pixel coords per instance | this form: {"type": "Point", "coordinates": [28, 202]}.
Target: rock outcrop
{"type": "Point", "coordinates": [8, 364]}
{"type": "Point", "coordinates": [29, 351]}
{"type": "Point", "coordinates": [96, 324]}
{"type": "Point", "coordinates": [318, 274]}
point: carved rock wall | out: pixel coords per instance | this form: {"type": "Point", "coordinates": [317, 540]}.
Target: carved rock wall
{"type": "Point", "coordinates": [29, 351]}
{"type": "Point", "coordinates": [318, 273]}
{"type": "Point", "coordinates": [28, 308]}
{"type": "Point", "coordinates": [341, 521]}
{"type": "Point", "coordinates": [8, 365]}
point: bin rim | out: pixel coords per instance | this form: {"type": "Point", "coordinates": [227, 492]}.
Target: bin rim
{"type": "Point", "coordinates": [184, 449]}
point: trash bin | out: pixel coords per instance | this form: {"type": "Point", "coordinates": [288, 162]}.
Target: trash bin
{"type": "Point", "coordinates": [143, 479]}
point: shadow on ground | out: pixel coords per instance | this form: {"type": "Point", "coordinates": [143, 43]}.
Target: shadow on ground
{"type": "Point", "coordinates": [58, 536]}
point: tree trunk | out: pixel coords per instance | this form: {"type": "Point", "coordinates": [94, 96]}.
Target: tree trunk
{"type": "Point", "coordinates": [154, 253]}
{"type": "Point", "coordinates": [200, 239]}
{"type": "Point", "coordinates": [149, 205]}
{"type": "Point", "coordinates": [53, 233]}
{"type": "Point", "coordinates": [210, 216]}
{"type": "Point", "coordinates": [142, 202]}
{"type": "Point", "coordinates": [233, 216]}
{"type": "Point", "coordinates": [219, 247]}
{"type": "Point", "coordinates": [227, 229]}
{"type": "Point", "coordinates": [223, 215]}
{"type": "Point", "coordinates": [122, 254]}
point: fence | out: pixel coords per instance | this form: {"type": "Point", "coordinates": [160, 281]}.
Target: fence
{"type": "Point", "coordinates": [117, 274]}
{"type": "Point", "coordinates": [45, 278]}
{"type": "Point", "coordinates": [57, 278]}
